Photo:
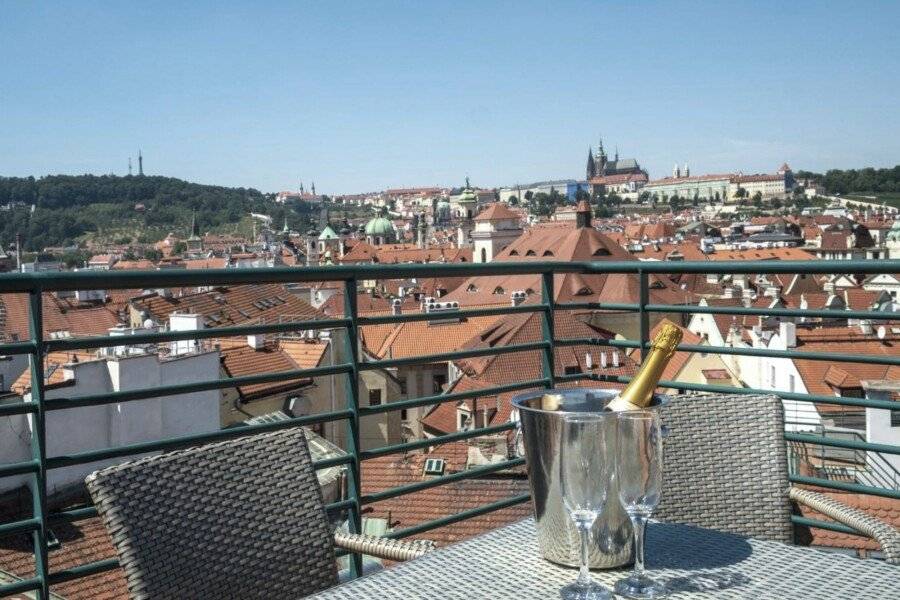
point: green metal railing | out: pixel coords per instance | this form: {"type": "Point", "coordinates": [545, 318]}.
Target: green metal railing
{"type": "Point", "coordinates": [37, 347]}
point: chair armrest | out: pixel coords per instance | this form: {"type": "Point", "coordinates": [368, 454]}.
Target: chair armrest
{"type": "Point", "coordinates": [383, 547]}
{"type": "Point", "coordinates": [887, 536]}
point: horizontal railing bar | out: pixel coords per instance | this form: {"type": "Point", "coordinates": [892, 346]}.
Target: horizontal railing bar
{"type": "Point", "coordinates": [448, 356]}
{"type": "Point", "coordinates": [707, 349]}
{"type": "Point", "coordinates": [195, 334]}
{"type": "Point", "coordinates": [187, 388]}
{"type": "Point", "coordinates": [86, 512]}
{"type": "Point", "coordinates": [435, 441]}
{"type": "Point", "coordinates": [596, 342]}
{"type": "Point", "coordinates": [456, 314]}
{"type": "Point", "coordinates": [342, 505]}
{"type": "Point", "coordinates": [13, 348]}
{"type": "Point", "coordinates": [617, 306]}
{"type": "Point", "coordinates": [19, 468]}
{"type": "Point", "coordinates": [841, 443]}
{"type": "Point", "coordinates": [846, 486]}
{"type": "Point", "coordinates": [798, 520]}
{"type": "Point", "coordinates": [47, 281]}
{"type": "Point", "coordinates": [21, 526]}
{"type": "Point", "coordinates": [17, 408]}
{"type": "Point", "coordinates": [73, 514]}
{"type": "Point", "coordinates": [727, 389]}
{"type": "Point", "coordinates": [23, 585]}
{"type": "Point", "coordinates": [55, 462]}
{"type": "Point", "coordinates": [443, 480]}
{"type": "Point", "coordinates": [774, 312]}
{"type": "Point", "coordinates": [792, 353]}
{"type": "Point", "coordinates": [85, 570]}
{"type": "Point", "coordinates": [442, 398]}
{"type": "Point", "coordinates": [461, 516]}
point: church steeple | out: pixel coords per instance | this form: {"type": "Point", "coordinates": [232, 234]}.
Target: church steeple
{"type": "Point", "coordinates": [313, 188]}
{"type": "Point", "coordinates": [591, 165]}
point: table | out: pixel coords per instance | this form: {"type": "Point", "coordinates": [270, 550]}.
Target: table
{"type": "Point", "coordinates": [693, 562]}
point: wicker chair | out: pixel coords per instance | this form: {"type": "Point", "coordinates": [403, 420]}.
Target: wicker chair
{"type": "Point", "coordinates": [726, 468]}
{"type": "Point", "coordinates": [242, 518]}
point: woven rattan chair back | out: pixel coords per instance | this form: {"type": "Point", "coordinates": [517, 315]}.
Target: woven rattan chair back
{"type": "Point", "coordinates": [242, 518]}
{"type": "Point", "coordinates": [726, 465]}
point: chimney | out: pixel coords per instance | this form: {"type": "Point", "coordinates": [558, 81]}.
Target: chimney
{"type": "Point", "coordinates": [185, 322]}
{"type": "Point", "coordinates": [256, 340]}
{"type": "Point", "coordinates": [788, 332]}
{"type": "Point", "coordinates": [518, 297]}
{"type": "Point", "coordinates": [396, 306]}
{"type": "Point", "coordinates": [588, 361]}
{"type": "Point", "coordinates": [615, 355]}
{"type": "Point", "coordinates": [865, 326]}
{"type": "Point", "coordinates": [603, 360]}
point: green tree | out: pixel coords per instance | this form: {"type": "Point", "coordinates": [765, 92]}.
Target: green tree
{"type": "Point", "coordinates": [179, 248]}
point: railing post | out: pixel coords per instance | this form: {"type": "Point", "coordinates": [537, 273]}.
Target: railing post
{"type": "Point", "coordinates": [354, 481]}
{"type": "Point", "coordinates": [547, 326]}
{"type": "Point", "coordinates": [38, 443]}
{"type": "Point", "coordinates": [643, 315]}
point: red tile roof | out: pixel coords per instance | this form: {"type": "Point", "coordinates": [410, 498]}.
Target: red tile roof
{"type": "Point", "coordinates": [495, 212]}
{"type": "Point", "coordinates": [234, 305]}
{"type": "Point", "coordinates": [59, 314]}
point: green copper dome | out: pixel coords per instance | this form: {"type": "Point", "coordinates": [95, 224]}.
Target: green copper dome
{"type": "Point", "coordinates": [328, 233]}
{"type": "Point", "coordinates": [380, 226]}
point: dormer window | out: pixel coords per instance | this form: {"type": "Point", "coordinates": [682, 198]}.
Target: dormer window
{"type": "Point", "coordinates": [499, 290]}
{"type": "Point", "coordinates": [548, 253]}
{"type": "Point", "coordinates": [602, 252]}
{"type": "Point", "coordinates": [514, 253]}
{"type": "Point", "coordinates": [531, 253]}
{"type": "Point", "coordinates": [472, 288]}
{"type": "Point", "coordinates": [434, 466]}
{"type": "Point", "coordinates": [584, 291]}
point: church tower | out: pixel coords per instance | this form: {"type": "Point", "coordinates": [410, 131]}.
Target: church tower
{"type": "Point", "coordinates": [591, 166]}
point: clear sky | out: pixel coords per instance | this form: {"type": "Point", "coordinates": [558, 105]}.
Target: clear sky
{"type": "Point", "coordinates": [369, 95]}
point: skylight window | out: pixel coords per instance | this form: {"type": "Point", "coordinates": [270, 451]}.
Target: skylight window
{"type": "Point", "coordinates": [434, 466]}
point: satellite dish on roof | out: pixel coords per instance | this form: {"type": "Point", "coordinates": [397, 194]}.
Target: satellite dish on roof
{"type": "Point", "coordinates": [881, 332]}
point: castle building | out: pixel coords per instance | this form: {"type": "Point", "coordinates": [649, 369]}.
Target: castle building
{"type": "Point", "coordinates": [617, 175]}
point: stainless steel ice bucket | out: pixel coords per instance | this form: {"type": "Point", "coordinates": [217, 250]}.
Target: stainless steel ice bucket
{"type": "Point", "coordinates": [539, 426]}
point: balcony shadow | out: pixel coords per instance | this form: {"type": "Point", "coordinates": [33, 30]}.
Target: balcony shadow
{"type": "Point", "coordinates": [685, 547]}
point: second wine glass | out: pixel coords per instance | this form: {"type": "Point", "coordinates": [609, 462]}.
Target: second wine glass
{"type": "Point", "coordinates": [639, 475]}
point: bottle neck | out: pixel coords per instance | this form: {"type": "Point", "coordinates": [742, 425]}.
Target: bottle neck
{"type": "Point", "coordinates": [640, 391]}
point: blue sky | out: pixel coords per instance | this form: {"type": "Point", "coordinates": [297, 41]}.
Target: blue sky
{"type": "Point", "coordinates": [365, 96]}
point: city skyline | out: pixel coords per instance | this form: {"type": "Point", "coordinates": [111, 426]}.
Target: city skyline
{"type": "Point", "coordinates": [350, 98]}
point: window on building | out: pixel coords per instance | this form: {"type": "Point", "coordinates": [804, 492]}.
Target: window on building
{"type": "Point", "coordinates": [772, 375]}
{"type": "Point", "coordinates": [463, 419]}
{"type": "Point", "coordinates": [791, 383]}
{"type": "Point", "coordinates": [404, 416]}
{"type": "Point", "coordinates": [402, 382]}
{"type": "Point", "coordinates": [895, 418]}
{"type": "Point", "coordinates": [374, 397]}
{"type": "Point", "coordinates": [438, 382]}
{"type": "Point", "coordinates": [572, 370]}
{"type": "Point", "coordinates": [434, 466]}
{"type": "Point", "coordinates": [484, 255]}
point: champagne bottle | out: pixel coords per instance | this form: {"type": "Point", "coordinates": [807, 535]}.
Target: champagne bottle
{"type": "Point", "coordinates": [639, 393]}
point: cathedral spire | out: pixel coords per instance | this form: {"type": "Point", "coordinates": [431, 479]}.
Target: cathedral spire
{"type": "Point", "coordinates": [591, 165]}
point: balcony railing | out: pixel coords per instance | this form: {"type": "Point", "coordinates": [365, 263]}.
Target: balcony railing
{"type": "Point", "coordinates": [38, 346]}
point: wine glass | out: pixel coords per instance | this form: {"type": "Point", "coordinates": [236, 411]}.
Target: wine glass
{"type": "Point", "coordinates": [585, 474]}
{"type": "Point", "coordinates": [639, 474]}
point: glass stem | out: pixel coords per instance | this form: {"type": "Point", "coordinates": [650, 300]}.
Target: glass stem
{"type": "Point", "coordinates": [584, 575]}
{"type": "Point", "coordinates": [638, 522]}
